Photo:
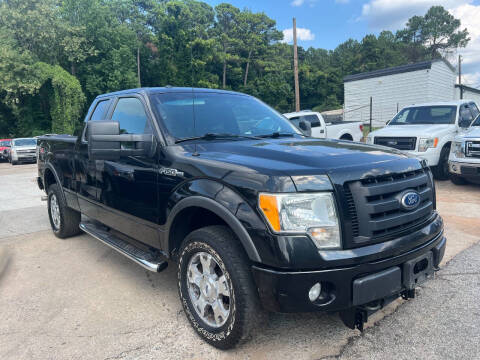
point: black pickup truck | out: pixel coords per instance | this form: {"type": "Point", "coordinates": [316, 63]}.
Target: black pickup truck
{"type": "Point", "coordinates": [256, 215]}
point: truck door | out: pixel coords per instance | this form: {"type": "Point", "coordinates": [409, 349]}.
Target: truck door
{"type": "Point", "coordinates": [128, 186]}
{"type": "Point", "coordinates": [84, 168]}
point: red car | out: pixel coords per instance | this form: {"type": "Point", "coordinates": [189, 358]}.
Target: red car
{"type": "Point", "coordinates": [4, 148]}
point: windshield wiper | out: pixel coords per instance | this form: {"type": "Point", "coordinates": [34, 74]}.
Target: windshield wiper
{"type": "Point", "coordinates": [277, 134]}
{"type": "Point", "coordinates": [214, 136]}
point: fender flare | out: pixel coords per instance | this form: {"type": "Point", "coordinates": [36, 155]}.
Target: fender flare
{"type": "Point", "coordinates": [50, 167]}
{"type": "Point", "coordinates": [222, 212]}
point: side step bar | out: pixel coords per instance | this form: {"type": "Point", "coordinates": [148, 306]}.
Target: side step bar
{"type": "Point", "coordinates": [144, 258]}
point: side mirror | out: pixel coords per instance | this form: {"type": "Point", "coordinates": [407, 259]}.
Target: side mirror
{"type": "Point", "coordinates": [306, 127]}
{"type": "Point", "coordinates": [105, 141]}
{"type": "Point", "coordinates": [464, 123]}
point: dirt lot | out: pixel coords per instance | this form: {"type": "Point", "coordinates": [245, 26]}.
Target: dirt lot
{"type": "Point", "coordinates": [78, 299]}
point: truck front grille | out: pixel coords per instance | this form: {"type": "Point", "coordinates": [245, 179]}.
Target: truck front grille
{"type": "Point", "coordinates": [400, 143]}
{"type": "Point", "coordinates": [375, 209]}
{"type": "Point", "coordinates": [472, 148]}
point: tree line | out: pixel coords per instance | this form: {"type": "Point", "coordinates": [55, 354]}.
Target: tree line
{"type": "Point", "coordinates": [57, 56]}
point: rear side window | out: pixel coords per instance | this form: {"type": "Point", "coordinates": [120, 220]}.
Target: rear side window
{"type": "Point", "coordinates": [131, 115]}
{"type": "Point", "coordinates": [100, 110]}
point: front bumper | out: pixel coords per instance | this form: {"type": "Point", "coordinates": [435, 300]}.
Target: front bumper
{"type": "Point", "coordinates": [431, 156]}
{"type": "Point", "coordinates": [283, 291]}
{"type": "Point", "coordinates": [25, 157]}
{"type": "Point", "coordinates": [465, 169]}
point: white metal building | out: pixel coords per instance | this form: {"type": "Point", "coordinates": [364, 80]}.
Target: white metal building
{"type": "Point", "coordinates": [394, 88]}
{"type": "Point", "coordinates": [467, 92]}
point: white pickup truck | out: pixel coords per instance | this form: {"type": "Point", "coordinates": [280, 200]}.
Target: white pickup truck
{"type": "Point", "coordinates": [426, 131]}
{"type": "Point", "coordinates": [344, 130]}
{"type": "Point", "coordinates": [464, 158]}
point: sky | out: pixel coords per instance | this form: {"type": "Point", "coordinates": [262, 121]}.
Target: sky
{"type": "Point", "coordinates": [327, 23]}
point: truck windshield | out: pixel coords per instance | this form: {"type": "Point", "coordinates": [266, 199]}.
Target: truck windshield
{"type": "Point", "coordinates": [24, 142]}
{"type": "Point", "coordinates": [426, 115]}
{"type": "Point", "coordinates": [192, 115]}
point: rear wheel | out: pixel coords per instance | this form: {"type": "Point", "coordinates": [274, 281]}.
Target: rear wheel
{"type": "Point", "coordinates": [457, 180]}
{"type": "Point", "coordinates": [440, 172]}
{"type": "Point", "coordinates": [216, 287]}
{"type": "Point", "coordinates": [64, 220]}
{"type": "Point", "coordinates": [346, 137]}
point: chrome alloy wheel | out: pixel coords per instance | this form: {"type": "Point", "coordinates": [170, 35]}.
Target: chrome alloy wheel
{"type": "Point", "coordinates": [55, 211]}
{"type": "Point", "coordinates": [208, 289]}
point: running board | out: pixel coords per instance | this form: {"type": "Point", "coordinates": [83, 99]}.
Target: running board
{"type": "Point", "coordinates": [144, 258]}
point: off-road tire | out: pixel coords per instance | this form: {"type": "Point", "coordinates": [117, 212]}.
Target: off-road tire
{"type": "Point", "coordinates": [69, 218]}
{"type": "Point", "coordinates": [440, 172]}
{"type": "Point", "coordinates": [246, 313]}
{"type": "Point", "coordinates": [457, 180]}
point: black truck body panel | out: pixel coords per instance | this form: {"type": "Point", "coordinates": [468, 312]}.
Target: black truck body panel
{"type": "Point", "coordinates": [142, 196]}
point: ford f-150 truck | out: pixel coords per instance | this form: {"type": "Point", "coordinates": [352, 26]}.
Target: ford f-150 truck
{"type": "Point", "coordinates": [464, 158]}
{"type": "Point", "coordinates": [426, 131]}
{"type": "Point", "coordinates": [256, 215]}
{"type": "Point", "coordinates": [319, 128]}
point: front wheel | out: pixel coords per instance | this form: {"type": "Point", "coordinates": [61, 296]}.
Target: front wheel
{"type": "Point", "coordinates": [216, 287]}
{"type": "Point", "coordinates": [64, 220]}
{"type": "Point", "coordinates": [440, 172]}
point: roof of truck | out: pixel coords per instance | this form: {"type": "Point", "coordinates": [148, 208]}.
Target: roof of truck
{"type": "Point", "coordinates": [442, 103]}
{"type": "Point", "coordinates": [169, 89]}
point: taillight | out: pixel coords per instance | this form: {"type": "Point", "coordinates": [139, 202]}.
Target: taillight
{"type": "Point", "coordinates": [361, 127]}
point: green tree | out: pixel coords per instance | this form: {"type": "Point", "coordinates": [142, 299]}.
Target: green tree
{"type": "Point", "coordinates": [226, 31]}
{"type": "Point", "coordinates": [438, 31]}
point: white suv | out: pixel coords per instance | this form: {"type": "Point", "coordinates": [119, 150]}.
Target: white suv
{"type": "Point", "coordinates": [464, 158]}
{"type": "Point", "coordinates": [426, 131]}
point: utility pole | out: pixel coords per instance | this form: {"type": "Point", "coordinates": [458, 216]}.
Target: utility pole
{"type": "Point", "coordinates": [295, 66]}
{"type": "Point", "coordinates": [138, 67]}
{"type": "Point", "coordinates": [371, 114]}
{"type": "Point", "coordinates": [460, 75]}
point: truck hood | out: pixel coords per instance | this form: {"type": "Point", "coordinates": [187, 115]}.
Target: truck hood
{"type": "Point", "coordinates": [298, 157]}
{"type": "Point", "coordinates": [473, 132]}
{"type": "Point", "coordinates": [28, 147]}
{"type": "Point", "coordinates": [426, 130]}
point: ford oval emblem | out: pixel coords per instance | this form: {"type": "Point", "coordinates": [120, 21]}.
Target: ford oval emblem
{"type": "Point", "coordinates": [410, 200]}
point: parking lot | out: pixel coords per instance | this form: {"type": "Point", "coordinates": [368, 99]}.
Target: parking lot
{"type": "Point", "coordinates": [79, 299]}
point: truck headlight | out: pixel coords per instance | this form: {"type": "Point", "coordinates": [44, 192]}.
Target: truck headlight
{"type": "Point", "coordinates": [314, 214]}
{"type": "Point", "coordinates": [458, 149]}
{"type": "Point", "coordinates": [369, 140]}
{"type": "Point", "coordinates": [425, 143]}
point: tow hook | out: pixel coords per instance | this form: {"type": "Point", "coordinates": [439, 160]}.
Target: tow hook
{"type": "Point", "coordinates": [408, 294]}
{"type": "Point", "coordinates": [356, 317]}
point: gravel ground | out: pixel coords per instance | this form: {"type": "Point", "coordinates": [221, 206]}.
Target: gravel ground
{"type": "Point", "coordinates": [78, 299]}
{"type": "Point", "coordinates": [443, 322]}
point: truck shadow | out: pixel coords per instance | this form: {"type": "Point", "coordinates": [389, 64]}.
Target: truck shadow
{"type": "Point", "coordinates": [278, 333]}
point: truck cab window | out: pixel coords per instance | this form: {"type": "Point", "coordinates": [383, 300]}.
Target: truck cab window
{"type": "Point", "coordinates": [465, 113]}
{"type": "Point", "coordinates": [312, 119]}
{"type": "Point", "coordinates": [100, 110]}
{"type": "Point", "coordinates": [474, 110]}
{"type": "Point", "coordinates": [131, 115]}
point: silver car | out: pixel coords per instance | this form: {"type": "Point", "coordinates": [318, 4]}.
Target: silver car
{"type": "Point", "coordinates": [23, 150]}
